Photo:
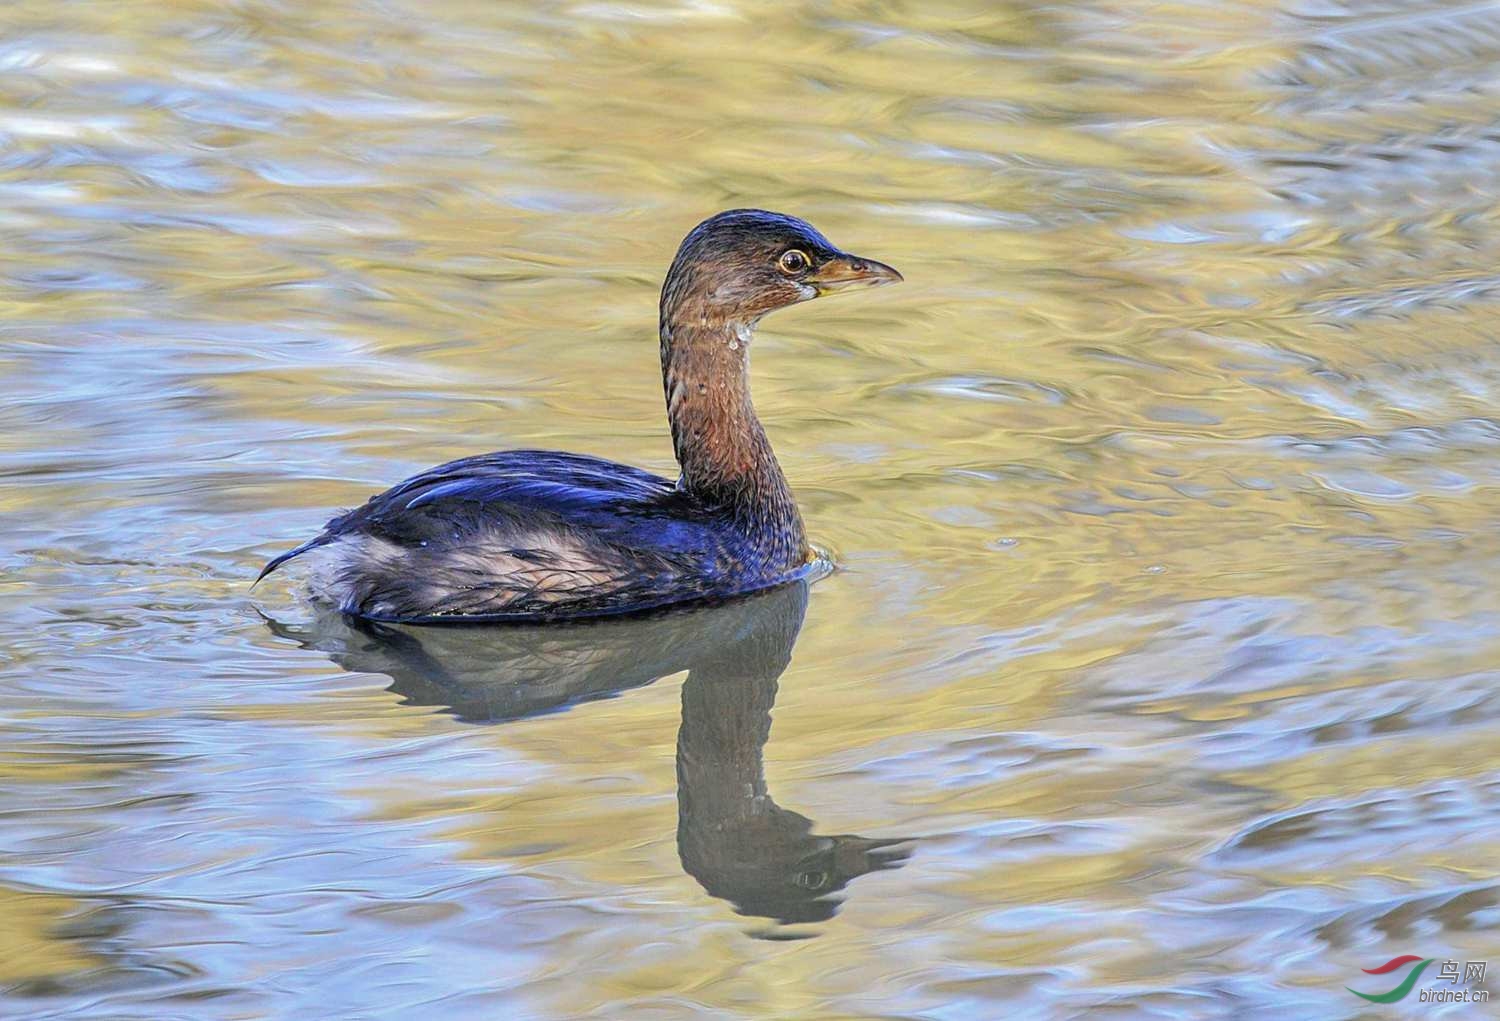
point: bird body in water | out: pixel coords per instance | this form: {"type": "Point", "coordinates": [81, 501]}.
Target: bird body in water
{"type": "Point", "coordinates": [530, 535]}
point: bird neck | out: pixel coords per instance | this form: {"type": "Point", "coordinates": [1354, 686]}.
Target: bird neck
{"type": "Point", "coordinates": [726, 713]}
{"type": "Point", "coordinates": [721, 446]}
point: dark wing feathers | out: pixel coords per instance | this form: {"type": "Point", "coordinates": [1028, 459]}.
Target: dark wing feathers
{"type": "Point", "coordinates": [525, 534]}
{"type": "Point", "coordinates": [278, 560]}
{"type": "Point", "coordinates": [519, 472]}
{"type": "Point", "coordinates": [519, 478]}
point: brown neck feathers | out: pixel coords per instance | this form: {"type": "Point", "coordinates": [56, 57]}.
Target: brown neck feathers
{"type": "Point", "coordinates": [725, 456]}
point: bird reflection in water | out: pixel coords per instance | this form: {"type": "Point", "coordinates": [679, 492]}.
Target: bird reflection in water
{"type": "Point", "coordinates": [732, 837]}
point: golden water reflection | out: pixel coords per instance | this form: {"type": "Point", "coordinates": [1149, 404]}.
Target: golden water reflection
{"type": "Point", "coordinates": [731, 835]}
{"type": "Point", "coordinates": [1162, 494]}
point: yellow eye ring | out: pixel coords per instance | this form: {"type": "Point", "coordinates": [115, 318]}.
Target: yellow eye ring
{"type": "Point", "coordinates": [793, 261]}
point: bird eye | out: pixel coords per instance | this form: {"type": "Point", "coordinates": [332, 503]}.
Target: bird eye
{"type": "Point", "coordinates": [794, 261]}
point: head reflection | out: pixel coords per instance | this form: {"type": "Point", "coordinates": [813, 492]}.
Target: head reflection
{"type": "Point", "coordinates": [732, 837]}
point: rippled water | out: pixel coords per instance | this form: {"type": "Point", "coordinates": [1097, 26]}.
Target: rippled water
{"type": "Point", "coordinates": [1159, 675]}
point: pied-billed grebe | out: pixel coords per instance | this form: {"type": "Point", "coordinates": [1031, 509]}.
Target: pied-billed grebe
{"type": "Point", "coordinates": [542, 535]}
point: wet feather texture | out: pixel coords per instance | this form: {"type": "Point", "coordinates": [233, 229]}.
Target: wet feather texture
{"type": "Point", "coordinates": [1168, 620]}
{"type": "Point", "coordinates": [537, 535]}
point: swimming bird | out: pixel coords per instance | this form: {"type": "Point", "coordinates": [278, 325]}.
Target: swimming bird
{"type": "Point", "coordinates": [535, 535]}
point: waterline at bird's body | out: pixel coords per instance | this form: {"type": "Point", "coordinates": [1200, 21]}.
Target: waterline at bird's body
{"type": "Point", "coordinates": [543, 535]}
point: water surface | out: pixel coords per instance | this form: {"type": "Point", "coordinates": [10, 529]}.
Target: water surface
{"type": "Point", "coordinates": [1159, 675]}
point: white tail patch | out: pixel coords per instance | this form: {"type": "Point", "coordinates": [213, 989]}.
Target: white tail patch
{"type": "Point", "coordinates": [488, 574]}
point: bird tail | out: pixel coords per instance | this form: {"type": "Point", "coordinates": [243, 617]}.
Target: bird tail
{"type": "Point", "coordinates": [276, 562]}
